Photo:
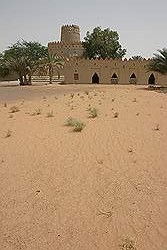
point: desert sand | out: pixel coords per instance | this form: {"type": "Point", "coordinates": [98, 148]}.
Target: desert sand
{"type": "Point", "coordinates": [102, 188]}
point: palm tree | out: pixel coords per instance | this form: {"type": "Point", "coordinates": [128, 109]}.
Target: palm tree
{"type": "Point", "coordinates": [48, 64]}
{"type": "Point", "coordinates": [159, 62]}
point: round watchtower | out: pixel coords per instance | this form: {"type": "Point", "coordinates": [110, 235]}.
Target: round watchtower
{"type": "Point", "coordinates": [70, 34]}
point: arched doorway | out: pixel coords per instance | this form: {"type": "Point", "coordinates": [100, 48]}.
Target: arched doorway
{"type": "Point", "coordinates": [114, 79]}
{"type": "Point", "coordinates": [151, 79]}
{"type": "Point", "coordinates": [133, 79]}
{"type": "Point", "coordinates": [95, 78]}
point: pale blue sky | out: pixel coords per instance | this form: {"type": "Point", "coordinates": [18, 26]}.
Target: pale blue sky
{"type": "Point", "coordinates": [141, 24]}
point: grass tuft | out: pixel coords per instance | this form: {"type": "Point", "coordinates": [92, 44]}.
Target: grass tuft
{"type": "Point", "coordinates": [93, 113]}
{"type": "Point", "coordinates": [50, 114]}
{"type": "Point", "coordinates": [77, 125]}
{"type": "Point", "coordinates": [127, 244]}
{"type": "Point", "coordinates": [37, 111]}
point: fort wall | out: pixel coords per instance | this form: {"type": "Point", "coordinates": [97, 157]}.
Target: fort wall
{"type": "Point", "coordinates": [110, 71]}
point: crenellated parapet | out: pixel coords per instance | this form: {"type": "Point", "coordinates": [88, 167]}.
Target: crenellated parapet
{"type": "Point", "coordinates": [131, 63]}
{"type": "Point", "coordinates": [70, 34]}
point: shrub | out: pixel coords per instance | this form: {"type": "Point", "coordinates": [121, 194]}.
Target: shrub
{"type": "Point", "coordinates": [93, 112]}
{"type": "Point", "coordinates": [50, 114]}
{"type": "Point", "coordinates": [37, 112]}
{"type": "Point", "coordinates": [76, 124]}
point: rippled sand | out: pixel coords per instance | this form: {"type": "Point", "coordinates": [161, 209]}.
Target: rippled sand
{"type": "Point", "coordinates": [102, 188]}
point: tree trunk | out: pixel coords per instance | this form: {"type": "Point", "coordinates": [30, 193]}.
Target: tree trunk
{"type": "Point", "coordinates": [25, 80]}
{"type": "Point", "coordinates": [29, 79]}
{"type": "Point", "coordinates": [50, 75]}
{"type": "Point", "coordinates": [21, 80]}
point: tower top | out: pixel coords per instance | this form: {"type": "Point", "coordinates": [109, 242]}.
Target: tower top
{"type": "Point", "coordinates": [70, 34]}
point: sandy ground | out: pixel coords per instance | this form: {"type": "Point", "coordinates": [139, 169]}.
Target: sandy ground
{"type": "Point", "coordinates": [102, 188]}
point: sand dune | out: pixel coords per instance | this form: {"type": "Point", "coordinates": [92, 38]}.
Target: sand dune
{"type": "Point", "coordinates": [102, 188]}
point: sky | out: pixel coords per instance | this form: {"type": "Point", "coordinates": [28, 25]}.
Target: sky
{"type": "Point", "coordinates": [141, 24]}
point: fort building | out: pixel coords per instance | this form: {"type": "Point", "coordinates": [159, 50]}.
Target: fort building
{"type": "Point", "coordinates": [77, 69]}
{"type": "Point", "coordinates": [70, 45]}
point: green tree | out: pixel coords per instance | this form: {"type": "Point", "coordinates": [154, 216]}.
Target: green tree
{"type": "Point", "coordinates": [159, 62]}
{"type": "Point", "coordinates": [103, 44]}
{"type": "Point", "coordinates": [4, 71]}
{"type": "Point", "coordinates": [23, 58]}
{"type": "Point", "coordinates": [48, 64]}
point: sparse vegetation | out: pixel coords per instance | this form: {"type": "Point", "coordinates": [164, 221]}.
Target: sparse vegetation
{"type": "Point", "coordinates": [93, 113]}
{"type": "Point", "coordinates": [50, 114]}
{"type": "Point", "coordinates": [14, 109]}
{"type": "Point", "coordinates": [37, 111]}
{"type": "Point", "coordinates": [11, 116]}
{"type": "Point", "coordinates": [127, 244]}
{"type": "Point", "coordinates": [77, 125]}
{"type": "Point", "coordinates": [5, 105]}
{"type": "Point", "coordinates": [72, 95]}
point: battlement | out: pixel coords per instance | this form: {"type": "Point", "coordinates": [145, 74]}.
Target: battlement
{"type": "Point", "coordinates": [70, 34]}
{"type": "Point", "coordinates": [62, 44]}
{"type": "Point", "coordinates": [109, 60]}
